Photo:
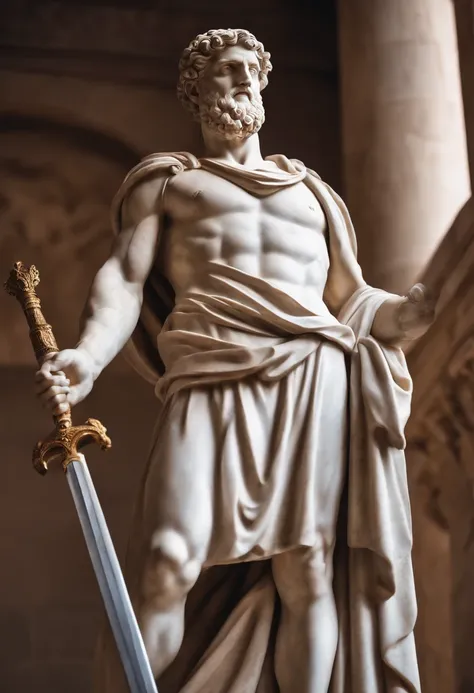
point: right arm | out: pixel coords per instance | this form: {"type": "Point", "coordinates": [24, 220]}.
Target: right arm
{"type": "Point", "coordinates": [116, 295]}
{"type": "Point", "coordinates": [113, 306]}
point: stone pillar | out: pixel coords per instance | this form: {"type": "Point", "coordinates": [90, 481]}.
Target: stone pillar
{"type": "Point", "coordinates": [465, 28]}
{"type": "Point", "coordinates": [404, 149]}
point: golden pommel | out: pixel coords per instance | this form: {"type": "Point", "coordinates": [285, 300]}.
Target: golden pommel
{"type": "Point", "coordinates": [66, 440]}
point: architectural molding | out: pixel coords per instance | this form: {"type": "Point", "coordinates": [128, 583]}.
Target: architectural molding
{"type": "Point", "coordinates": [130, 37]}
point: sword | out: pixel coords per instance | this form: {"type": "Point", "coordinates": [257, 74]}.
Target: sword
{"type": "Point", "coordinates": [64, 443]}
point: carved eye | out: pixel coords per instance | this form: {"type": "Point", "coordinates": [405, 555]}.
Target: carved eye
{"type": "Point", "coordinates": [253, 70]}
{"type": "Point", "coordinates": [226, 69]}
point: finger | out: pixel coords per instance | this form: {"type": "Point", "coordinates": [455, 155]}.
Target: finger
{"type": "Point", "coordinates": [55, 379]}
{"type": "Point", "coordinates": [52, 392]}
{"type": "Point", "coordinates": [417, 293]}
{"type": "Point", "coordinates": [55, 402]}
{"type": "Point", "coordinates": [58, 399]}
{"type": "Point", "coordinates": [56, 362]}
{"type": "Point", "coordinates": [43, 383]}
{"type": "Point", "coordinates": [51, 378]}
{"type": "Point", "coordinates": [421, 293]}
{"type": "Point", "coordinates": [41, 386]}
{"type": "Point", "coordinates": [61, 408]}
{"type": "Point", "coordinates": [45, 370]}
{"type": "Point", "coordinates": [52, 404]}
{"type": "Point", "coordinates": [74, 396]}
{"type": "Point", "coordinates": [47, 373]}
{"type": "Point", "coordinates": [51, 364]}
{"type": "Point", "coordinates": [60, 373]}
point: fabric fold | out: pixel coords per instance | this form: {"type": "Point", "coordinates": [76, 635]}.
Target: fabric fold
{"type": "Point", "coordinates": [379, 518]}
{"type": "Point", "coordinates": [268, 332]}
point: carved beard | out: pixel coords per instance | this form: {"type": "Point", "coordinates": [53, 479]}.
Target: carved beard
{"type": "Point", "coordinates": [230, 119]}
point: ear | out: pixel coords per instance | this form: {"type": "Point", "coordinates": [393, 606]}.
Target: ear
{"type": "Point", "coordinates": [192, 92]}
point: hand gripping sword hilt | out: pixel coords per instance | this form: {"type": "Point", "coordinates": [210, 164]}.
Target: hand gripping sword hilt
{"type": "Point", "coordinates": [66, 440]}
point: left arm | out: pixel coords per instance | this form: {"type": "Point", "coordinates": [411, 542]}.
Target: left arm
{"type": "Point", "coordinates": [399, 318]}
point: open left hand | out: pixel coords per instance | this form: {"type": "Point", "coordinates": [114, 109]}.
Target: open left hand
{"type": "Point", "coordinates": [417, 312]}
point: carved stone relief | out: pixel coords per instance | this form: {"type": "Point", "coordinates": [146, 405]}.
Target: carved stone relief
{"type": "Point", "coordinates": [440, 459]}
{"type": "Point", "coordinates": [55, 195]}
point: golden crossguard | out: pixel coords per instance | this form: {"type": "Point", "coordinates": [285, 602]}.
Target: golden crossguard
{"type": "Point", "coordinates": [66, 440]}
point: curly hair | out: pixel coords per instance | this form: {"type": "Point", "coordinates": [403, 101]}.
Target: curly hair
{"type": "Point", "coordinates": [196, 56]}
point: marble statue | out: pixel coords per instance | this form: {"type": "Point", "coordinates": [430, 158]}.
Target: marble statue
{"type": "Point", "coordinates": [271, 549]}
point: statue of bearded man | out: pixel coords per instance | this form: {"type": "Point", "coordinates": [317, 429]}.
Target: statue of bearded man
{"type": "Point", "coordinates": [271, 547]}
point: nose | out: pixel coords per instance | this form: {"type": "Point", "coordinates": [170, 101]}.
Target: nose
{"type": "Point", "coordinates": [245, 78]}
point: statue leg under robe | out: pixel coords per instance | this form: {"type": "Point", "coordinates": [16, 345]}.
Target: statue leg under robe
{"type": "Point", "coordinates": [242, 471]}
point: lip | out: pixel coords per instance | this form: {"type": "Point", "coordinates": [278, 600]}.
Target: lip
{"type": "Point", "coordinates": [244, 92]}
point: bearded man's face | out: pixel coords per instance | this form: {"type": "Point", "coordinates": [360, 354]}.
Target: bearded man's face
{"type": "Point", "coordinates": [229, 94]}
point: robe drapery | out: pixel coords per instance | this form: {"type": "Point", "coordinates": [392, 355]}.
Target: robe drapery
{"type": "Point", "coordinates": [200, 352]}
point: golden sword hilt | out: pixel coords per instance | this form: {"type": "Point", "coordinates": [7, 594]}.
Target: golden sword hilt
{"type": "Point", "coordinates": [66, 440]}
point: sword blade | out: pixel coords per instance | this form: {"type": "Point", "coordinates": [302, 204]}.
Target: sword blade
{"type": "Point", "coordinates": [109, 576]}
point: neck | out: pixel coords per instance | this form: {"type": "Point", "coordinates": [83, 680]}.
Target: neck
{"type": "Point", "coordinates": [244, 152]}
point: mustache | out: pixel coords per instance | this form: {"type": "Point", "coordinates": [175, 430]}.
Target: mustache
{"type": "Point", "coordinates": [242, 90]}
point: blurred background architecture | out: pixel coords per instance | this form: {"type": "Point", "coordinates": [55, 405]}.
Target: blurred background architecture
{"type": "Point", "coordinates": [378, 97]}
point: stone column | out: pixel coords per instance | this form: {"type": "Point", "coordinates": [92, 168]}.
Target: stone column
{"type": "Point", "coordinates": [404, 148]}
{"type": "Point", "coordinates": [465, 28]}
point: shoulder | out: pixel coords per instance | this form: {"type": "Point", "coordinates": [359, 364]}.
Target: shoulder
{"type": "Point", "coordinates": [164, 163]}
{"type": "Point", "coordinates": [140, 190]}
{"type": "Point", "coordinates": [300, 166]}
{"type": "Point", "coordinates": [142, 199]}
{"type": "Point", "coordinates": [293, 165]}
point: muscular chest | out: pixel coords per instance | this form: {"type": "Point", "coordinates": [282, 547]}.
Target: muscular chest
{"type": "Point", "coordinates": [196, 196]}
{"type": "Point", "coordinates": [278, 236]}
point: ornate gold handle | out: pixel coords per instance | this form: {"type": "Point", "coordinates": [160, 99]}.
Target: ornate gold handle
{"type": "Point", "coordinates": [21, 284]}
{"type": "Point", "coordinates": [66, 439]}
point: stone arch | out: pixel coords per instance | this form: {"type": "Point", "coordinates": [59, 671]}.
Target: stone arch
{"type": "Point", "coordinates": [57, 180]}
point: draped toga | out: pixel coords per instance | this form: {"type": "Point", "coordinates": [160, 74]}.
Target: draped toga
{"type": "Point", "coordinates": [269, 413]}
